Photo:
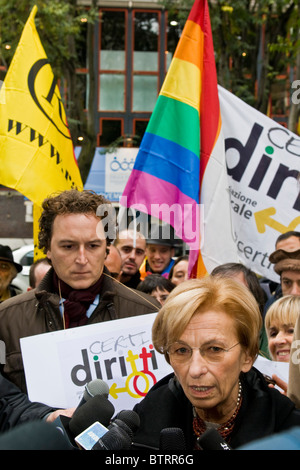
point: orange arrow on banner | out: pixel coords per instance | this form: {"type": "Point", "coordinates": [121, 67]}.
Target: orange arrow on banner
{"type": "Point", "coordinates": [263, 219]}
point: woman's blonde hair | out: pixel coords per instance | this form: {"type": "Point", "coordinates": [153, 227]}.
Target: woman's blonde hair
{"type": "Point", "coordinates": [209, 293]}
{"type": "Point", "coordinates": [283, 311]}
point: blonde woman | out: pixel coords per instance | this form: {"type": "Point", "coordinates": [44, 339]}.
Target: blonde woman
{"type": "Point", "coordinates": [208, 331]}
{"type": "Point", "coordinates": [280, 323]}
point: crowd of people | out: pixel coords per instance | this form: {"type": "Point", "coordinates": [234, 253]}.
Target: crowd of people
{"type": "Point", "coordinates": [209, 330]}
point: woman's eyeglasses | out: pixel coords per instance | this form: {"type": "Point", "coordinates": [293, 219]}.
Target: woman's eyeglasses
{"type": "Point", "coordinates": [181, 352]}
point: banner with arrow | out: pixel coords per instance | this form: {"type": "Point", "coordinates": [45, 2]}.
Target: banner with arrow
{"type": "Point", "coordinates": [263, 165]}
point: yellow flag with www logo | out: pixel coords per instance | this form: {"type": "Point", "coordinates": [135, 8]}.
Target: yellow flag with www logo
{"type": "Point", "coordinates": [36, 151]}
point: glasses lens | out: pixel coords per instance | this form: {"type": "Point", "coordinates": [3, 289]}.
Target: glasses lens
{"type": "Point", "coordinates": [180, 352]}
{"type": "Point", "coordinates": [213, 353]}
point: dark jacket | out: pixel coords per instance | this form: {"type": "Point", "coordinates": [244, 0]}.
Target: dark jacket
{"type": "Point", "coordinates": [264, 411]}
{"type": "Point", "coordinates": [37, 311]}
{"type": "Point", "coordinates": [15, 408]}
{"type": "Point", "coordinates": [133, 281]}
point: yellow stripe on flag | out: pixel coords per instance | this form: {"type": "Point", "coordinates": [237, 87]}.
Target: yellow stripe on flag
{"type": "Point", "coordinates": [183, 83]}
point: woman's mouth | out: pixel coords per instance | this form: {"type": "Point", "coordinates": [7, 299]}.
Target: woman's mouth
{"type": "Point", "coordinates": [283, 354]}
{"type": "Point", "coordinates": [201, 390]}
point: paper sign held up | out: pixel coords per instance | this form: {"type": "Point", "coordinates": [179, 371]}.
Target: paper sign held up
{"type": "Point", "coordinates": [120, 352]}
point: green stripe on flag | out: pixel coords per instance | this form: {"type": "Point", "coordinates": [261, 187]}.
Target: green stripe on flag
{"type": "Point", "coordinates": [177, 122]}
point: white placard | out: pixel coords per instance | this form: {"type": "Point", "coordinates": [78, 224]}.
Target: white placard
{"type": "Point", "coordinates": [267, 367]}
{"type": "Point", "coordinates": [120, 352]}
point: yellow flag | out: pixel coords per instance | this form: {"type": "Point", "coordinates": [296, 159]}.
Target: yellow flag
{"type": "Point", "coordinates": [36, 150]}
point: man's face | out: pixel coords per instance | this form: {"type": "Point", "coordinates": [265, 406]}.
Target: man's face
{"type": "Point", "coordinates": [7, 274]}
{"type": "Point", "coordinates": [159, 257]}
{"type": "Point", "coordinates": [290, 282]}
{"type": "Point", "coordinates": [132, 254]}
{"type": "Point", "coordinates": [77, 251]}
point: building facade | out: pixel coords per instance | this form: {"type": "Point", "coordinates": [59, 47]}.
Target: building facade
{"type": "Point", "coordinates": [133, 45]}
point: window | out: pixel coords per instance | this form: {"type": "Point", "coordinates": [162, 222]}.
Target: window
{"type": "Point", "coordinates": [145, 60]}
{"type": "Point", "coordinates": [131, 66]}
{"type": "Point", "coordinates": [110, 131]}
{"type": "Point", "coordinates": [112, 61]}
{"type": "Point", "coordinates": [140, 126]}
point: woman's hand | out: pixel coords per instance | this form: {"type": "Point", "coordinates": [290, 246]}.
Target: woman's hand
{"type": "Point", "coordinates": [280, 383]}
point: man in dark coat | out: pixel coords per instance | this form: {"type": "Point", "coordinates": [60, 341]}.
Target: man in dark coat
{"type": "Point", "coordinates": [75, 230]}
{"type": "Point", "coordinates": [8, 271]}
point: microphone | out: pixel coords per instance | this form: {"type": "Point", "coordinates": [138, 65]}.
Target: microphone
{"type": "Point", "coordinates": [99, 433]}
{"type": "Point", "coordinates": [212, 440]}
{"type": "Point", "coordinates": [128, 420]}
{"type": "Point", "coordinates": [98, 408]}
{"type": "Point", "coordinates": [114, 439]}
{"type": "Point", "coordinates": [172, 439]}
{"type": "Point", "coordinates": [119, 424]}
{"type": "Point", "coordinates": [93, 388]}
{"type": "Point", "coordinates": [129, 417]}
{"type": "Point", "coordinates": [36, 435]}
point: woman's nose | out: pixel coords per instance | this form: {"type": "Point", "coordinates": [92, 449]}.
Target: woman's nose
{"type": "Point", "coordinates": [198, 364]}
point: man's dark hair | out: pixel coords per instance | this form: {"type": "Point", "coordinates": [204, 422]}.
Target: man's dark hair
{"type": "Point", "coordinates": [286, 235]}
{"type": "Point", "coordinates": [155, 281]}
{"type": "Point", "coordinates": [230, 269]}
{"type": "Point", "coordinates": [68, 202]}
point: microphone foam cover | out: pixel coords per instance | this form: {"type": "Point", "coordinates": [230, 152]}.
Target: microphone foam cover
{"type": "Point", "coordinates": [95, 387]}
{"type": "Point", "coordinates": [131, 418]}
{"type": "Point", "coordinates": [116, 439]}
{"type": "Point", "coordinates": [121, 424]}
{"type": "Point", "coordinates": [171, 439]}
{"type": "Point", "coordinates": [98, 408]}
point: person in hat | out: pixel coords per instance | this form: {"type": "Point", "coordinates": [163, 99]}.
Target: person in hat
{"type": "Point", "coordinates": [287, 265]}
{"type": "Point", "coordinates": [8, 271]}
{"type": "Point", "coordinates": [288, 242]}
{"type": "Point", "coordinates": [160, 250]}
{"type": "Point", "coordinates": [159, 257]}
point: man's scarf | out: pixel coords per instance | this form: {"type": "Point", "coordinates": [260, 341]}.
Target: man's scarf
{"type": "Point", "coordinates": [77, 301]}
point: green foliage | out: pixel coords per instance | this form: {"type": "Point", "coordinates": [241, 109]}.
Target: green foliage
{"type": "Point", "coordinates": [57, 22]}
{"type": "Point", "coordinates": [246, 65]}
{"type": "Point", "coordinates": [254, 41]}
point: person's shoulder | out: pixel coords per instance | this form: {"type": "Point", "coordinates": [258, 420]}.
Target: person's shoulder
{"type": "Point", "coordinates": [17, 300]}
{"type": "Point", "coordinates": [135, 296]}
{"type": "Point", "coordinates": [163, 386]}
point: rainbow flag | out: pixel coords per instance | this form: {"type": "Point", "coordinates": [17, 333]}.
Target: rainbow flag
{"type": "Point", "coordinates": [182, 133]}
